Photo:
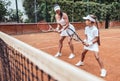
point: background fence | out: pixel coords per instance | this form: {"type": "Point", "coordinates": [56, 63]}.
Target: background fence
{"type": "Point", "coordinates": [35, 28]}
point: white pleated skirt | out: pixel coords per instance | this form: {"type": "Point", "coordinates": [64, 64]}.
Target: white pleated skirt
{"type": "Point", "coordinates": [93, 47]}
{"type": "Point", "coordinates": [66, 31]}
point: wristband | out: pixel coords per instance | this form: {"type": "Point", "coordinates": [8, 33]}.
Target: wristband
{"type": "Point", "coordinates": [85, 40]}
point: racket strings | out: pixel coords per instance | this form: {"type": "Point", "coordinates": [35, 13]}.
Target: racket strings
{"type": "Point", "coordinates": [74, 37]}
{"type": "Point", "coordinates": [51, 28]}
{"type": "Point", "coordinates": [48, 29]}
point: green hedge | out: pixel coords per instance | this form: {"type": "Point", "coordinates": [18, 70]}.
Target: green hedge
{"type": "Point", "coordinates": [79, 9]}
{"type": "Point", "coordinates": [75, 10]}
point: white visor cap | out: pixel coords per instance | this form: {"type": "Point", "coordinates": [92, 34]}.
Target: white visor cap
{"type": "Point", "coordinates": [89, 18]}
{"type": "Point", "coordinates": [56, 8]}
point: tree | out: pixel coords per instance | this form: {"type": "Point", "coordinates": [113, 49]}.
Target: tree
{"type": "Point", "coordinates": [3, 10]}
{"type": "Point", "coordinates": [75, 9]}
{"type": "Point", "coordinates": [42, 10]}
{"type": "Point", "coordinates": [12, 15]}
{"type": "Point", "coordinates": [7, 14]}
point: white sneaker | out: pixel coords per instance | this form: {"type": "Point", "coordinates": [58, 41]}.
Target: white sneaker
{"type": "Point", "coordinates": [80, 63]}
{"type": "Point", "coordinates": [103, 73]}
{"type": "Point", "coordinates": [71, 56]}
{"type": "Point", "coordinates": [58, 54]}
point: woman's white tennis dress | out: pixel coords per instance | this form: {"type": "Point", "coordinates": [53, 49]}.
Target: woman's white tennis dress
{"type": "Point", "coordinates": [91, 33]}
{"type": "Point", "coordinates": [64, 32]}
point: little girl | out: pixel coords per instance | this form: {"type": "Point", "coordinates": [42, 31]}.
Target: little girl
{"type": "Point", "coordinates": [91, 42]}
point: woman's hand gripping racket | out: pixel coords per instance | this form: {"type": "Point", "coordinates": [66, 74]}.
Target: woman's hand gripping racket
{"type": "Point", "coordinates": [74, 36]}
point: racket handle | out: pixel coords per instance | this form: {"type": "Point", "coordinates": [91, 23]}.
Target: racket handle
{"type": "Point", "coordinates": [57, 29]}
{"type": "Point", "coordinates": [90, 43]}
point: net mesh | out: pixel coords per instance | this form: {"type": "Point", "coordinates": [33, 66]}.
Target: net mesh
{"type": "Point", "coordinates": [16, 67]}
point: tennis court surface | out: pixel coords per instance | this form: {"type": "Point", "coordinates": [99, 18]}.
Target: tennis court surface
{"type": "Point", "coordinates": [109, 50]}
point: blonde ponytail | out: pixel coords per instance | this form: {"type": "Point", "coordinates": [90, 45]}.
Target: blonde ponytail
{"type": "Point", "coordinates": [97, 28]}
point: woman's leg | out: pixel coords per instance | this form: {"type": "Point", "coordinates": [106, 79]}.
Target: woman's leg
{"type": "Point", "coordinates": [60, 46]}
{"type": "Point", "coordinates": [61, 43]}
{"type": "Point", "coordinates": [71, 45]}
{"type": "Point", "coordinates": [71, 48]}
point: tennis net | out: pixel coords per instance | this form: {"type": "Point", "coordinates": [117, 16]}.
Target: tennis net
{"type": "Point", "coordinates": [22, 62]}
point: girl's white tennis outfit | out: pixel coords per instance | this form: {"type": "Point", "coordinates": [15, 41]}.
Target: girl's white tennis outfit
{"type": "Point", "coordinates": [64, 32]}
{"type": "Point", "coordinates": [91, 33]}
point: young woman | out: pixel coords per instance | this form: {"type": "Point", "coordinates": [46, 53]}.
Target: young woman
{"type": "Point", "coordinates": [62, 21]}
{"type": "Point", "coordinates": [91, 43]}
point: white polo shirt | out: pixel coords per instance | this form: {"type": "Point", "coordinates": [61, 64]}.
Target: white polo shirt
{"type": "Point", "coordinates": [91, 33]}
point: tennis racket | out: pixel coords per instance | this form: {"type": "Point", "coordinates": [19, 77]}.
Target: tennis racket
{"type": "Point", "coordinates": [44, 28]}
{"type": "Point", "coordinates": [74, 36]}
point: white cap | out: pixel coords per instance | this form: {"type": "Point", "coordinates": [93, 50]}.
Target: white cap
{"type": "Point", "coordinates": [89, 18]}
{"type": "Point", "coordinates": [56, 8]}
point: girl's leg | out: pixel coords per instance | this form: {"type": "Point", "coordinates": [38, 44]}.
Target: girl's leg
{"type": "Point", "coordinates": [99, 60]}
{"type": "Point", "coordinates": [103, 71]}
{"type": "Point", "coordinates": [80, 63]}
{"type": "Point", "coordinates": [60, 46]}
{"type": "Point", "coordinates": [83, 55]}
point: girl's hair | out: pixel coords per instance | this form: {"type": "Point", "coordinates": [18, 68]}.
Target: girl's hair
{"type": "Point", "coordinates": [61, 13]}
{"type": "Point", "coordinates": [94, 17]}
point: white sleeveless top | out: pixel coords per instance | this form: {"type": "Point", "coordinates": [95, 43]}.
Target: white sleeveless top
{"type": "Point", "coordinates": [62, 22]}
